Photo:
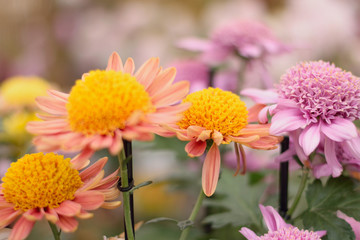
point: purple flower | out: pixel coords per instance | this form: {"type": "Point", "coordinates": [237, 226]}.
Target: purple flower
{"type": "Point", "coordinates": [279, 229]}
{"type": "Point", "coordinates": [249, 39]}
{"type": "Point", "coordinates": [321, 100]}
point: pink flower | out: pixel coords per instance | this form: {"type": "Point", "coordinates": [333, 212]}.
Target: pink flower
{"type": "Point", "coordinates": [222, 117]}
{"type": "Point", "coordinates": [38, 186]}
{"type": "Point", "coordinates": [109, 105]}
{"type": "Point", "coordinates": [316, 102]}
{"type": "Point", "coordinates": [279, 229]}
{"type": "Point", "coordinates": [249, 39]}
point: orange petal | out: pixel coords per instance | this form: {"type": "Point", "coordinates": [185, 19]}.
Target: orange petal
{"type": "Point", "coordinates": [50, 215]}
{"type": "Point", "coordinates": [21, 229]}
{"type": "Point", "coordinates": [195, 148]}
{"type": "Point", "coordinates": [34, 214]}
{"type": "Point", "coordinates": [81, 159]}
{"type": "Point", "coordinates": [93, 170]}
{"type": "Point", "coordinates": [217, 137]}
{"type": "Point", "coordinates": [211, 170]}
{"type": "Point", "coordinates": [147, 72]}
{"type": "Point", "coordinates": [68, 208]}
{"type": "Point", "coordinates": [111, 205]}
{"type": "Point", "coordinates": [89, 200]}
{"type": "Point", "coordinates": [266, 143]}
{"type": "Point", "coordinates": [129, 66]}
{"type": "Point", "coordinates": [204, 135]}
{"type": "Point", "coordinates": [258, 129]}
{"type": "Point", "coordinates": [8, 215]}
{"type": "Point", "coordinates": [243, 140]}
{"type": "Point", "coordinates": [67, 224]}
{"type": "Point", "coordinates": [59, 95]}
{"type": "Point", "coordinates": [253, 112]}
{"type": "Point", "coordinates": [162, 80]}
{"type": "Point", "coordinates": [194, 131]}
{"type": "Point", "coordinates": [171, 94]}
{"type": "Point", "coordinates": [115, 63]}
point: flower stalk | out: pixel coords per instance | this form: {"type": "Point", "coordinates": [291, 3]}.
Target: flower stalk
{"type": "Point", "coordinates": [304, 178]}
{"type": "Point", "coordinates": [127, 196]}
{"type": "Point", "coordinates": [54, 231]}
{"type": "Point", "coordinates": [193, 214]}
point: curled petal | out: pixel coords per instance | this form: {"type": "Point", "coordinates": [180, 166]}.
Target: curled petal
{"type": "Point", "coordinates": [249, 234]}
{"type": "Point", "coordinates": [286, 121]}
{"type": "Point", "coordinates": [355, 225]}
{"type": "Point", "coordinates": [266, 143]}
{"type": "Point", "coordinates": [217, 137]}
{"type": "Point", "coordinates": [331, 159]}
{"type": "Point", "coordinates": [272, 218]}
{"type": "Point", "coordinates": [89, 200]}
{"type": "Point", "coordinates": [195, 148]}
{"type": "Point", "coordinates": [68, 208]}
{"type": "Point", "coordinates": [67, 224]}
{"type": "Point", "coordinates": [194, 131]}
{"type": "Point", "coordinates": [211, 170]}
{"type": "Point", "coordinates": [253, 115]}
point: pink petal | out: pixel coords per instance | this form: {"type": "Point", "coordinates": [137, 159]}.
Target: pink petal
{"type": "Point", "coordinates": [162, 80]}
{"type": "Point", "coordinates": [195, 148]}
{"type": "Point", "coordinates": [194, 131]}
{"type": "Point", "coordinates": [115, 63]}
{"type": "Point", "coordinates": [294, 135]}
{"type": "Point", "coordinates": [321, 233]}
{"type": "Point", "coordinates": [243, 140]}
{"type": "Point", "coordinates": [67, 224]}
{"type": "Point", "coordinates": [309, 138]}
{"type": "Point", "coordinates": [339, 130]}
{"type": "Point", "coordinates": [322, 170]}
{"type": "Point", "coordinates": [21, 229]}
{"type": "Point", "coordinates": [147, 72]}
{"type": "Point", "coordinates": [171, 94]}
{"type": "Point", "coordinates": [89, 200]}
{"type": "Point", "coordinates": [286, 121]}
{"type": "Point", "coordinates": [8, 215]}
{"type": "Point", "coordinates": [331, 159]}
{"type": "Point", "coordinates": [51, 215]}
{"type": "Point", "coordinates": [249, 234]}
{"type": "Point", "coordinates": [117, 144]}
{"type": "Point", "coordinates": [352, 147]}
{"type": "Point", "coordinates": [194, 44]}
{"type": "Point", "coordinates": [211, 170]}
{"type": "Point", "coordinates": [51, 105]}
{"type": "Point", "coordinates": [355, 225]}
{"type": "Point", "coordinates": [59, 95]}
{"type": "Point", "coordinates": [48, 127]}
{"type": "Point", "coordinates": [272, 218]}
{"type": "Point", "coordinates": [93, 170]}
{"type": "Point", "coordinates": [129, 66]}
{"type": "Point", "coordinates": [261, 96]}
{"type": "Point", "coordinates": [68, 208]}
{"type": "Point", "coordinates": [266, 143]}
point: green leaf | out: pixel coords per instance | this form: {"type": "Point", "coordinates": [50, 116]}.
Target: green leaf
{"type": "Point", "coordinates": [236, 201]}
{"type": "Point", "coordinates": [324, 201]}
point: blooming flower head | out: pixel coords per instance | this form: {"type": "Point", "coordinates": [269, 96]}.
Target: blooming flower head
{"type": "Point", "coordinates": [322, 101]}
{"type": "Point", "coordinates": [222, 117]}
{"type": "Point", "coordinates": [106, 106]}
{"type": "Point", "coordinates": [249, 39]}
{"type": "Point", "coordinates": [50, 186]}
{"type": "Point", "coordinates": [20, 91]}
{"type": "Point", "coordinates": [279, 229]}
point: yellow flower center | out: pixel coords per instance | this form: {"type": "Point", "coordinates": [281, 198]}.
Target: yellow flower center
{"type": "Point", "coordinates": [104, 100]}
{"type": "Point", "coordinates": [22, 91]}
{"type": "Point", "coordinates": [215, 109]}
{"type": "Point", "coordinates": [38, 181]}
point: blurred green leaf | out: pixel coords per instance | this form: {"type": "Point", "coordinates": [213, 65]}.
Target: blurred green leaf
{"type": "Point", "coordinates": [239, 201]}
{"type": "Point", "coordinates": [324, 201]}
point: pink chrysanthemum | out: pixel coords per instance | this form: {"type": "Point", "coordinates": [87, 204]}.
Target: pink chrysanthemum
{"type": "Point", "coordinates": [279, 229]}
{"type": "Point", "coordinates": [222, 117]}
{"type": "Point", "coordinates": [321, 100]}
{"type": "Point", "coordinates": [38, 186]}
{"type": "Point", "coordinates": [109, 105]}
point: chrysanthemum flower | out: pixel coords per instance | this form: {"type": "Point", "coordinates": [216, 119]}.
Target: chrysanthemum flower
{"type": "Point", "coordinates": [21, 91]}
{"type": "Point", "coordinates": [323, 100]}
{"type": "Point", "coordinates": [222, 117]}
{"type": "Point", "coordinates": [355, 225]}
{"type": "Point", "coordinates": [109, 105]}
{"type": "Point", "coordinates": [38, 186]}
{"type": "Point", "coordinates": [279, 229]}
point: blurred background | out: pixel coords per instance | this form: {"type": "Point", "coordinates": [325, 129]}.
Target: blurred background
{"type": "Point", "coordinates": [59, 40]}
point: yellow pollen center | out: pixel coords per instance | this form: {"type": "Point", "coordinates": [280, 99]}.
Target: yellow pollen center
{"type": "Point", "coordinates": [104, 100]}
{"type": "Point", "coordinates": [215, 109]}
{"type": "Point", "coordinates": [39, 181]}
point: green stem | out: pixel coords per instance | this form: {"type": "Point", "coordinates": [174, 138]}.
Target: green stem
{"type": "Point", "coordinates": [55, 231]}
{"type": "Point", "coordinates": [126, 195]}
{"type": "Point", "coordinates": [193, 214]}
{"type": "Point", "coordinates": [304, 178]}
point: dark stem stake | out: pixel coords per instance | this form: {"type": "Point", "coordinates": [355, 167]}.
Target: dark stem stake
{"type": "Point", "coordinates": [284, 181]}
{"type": "Point", "coordinates": [128, 155]}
